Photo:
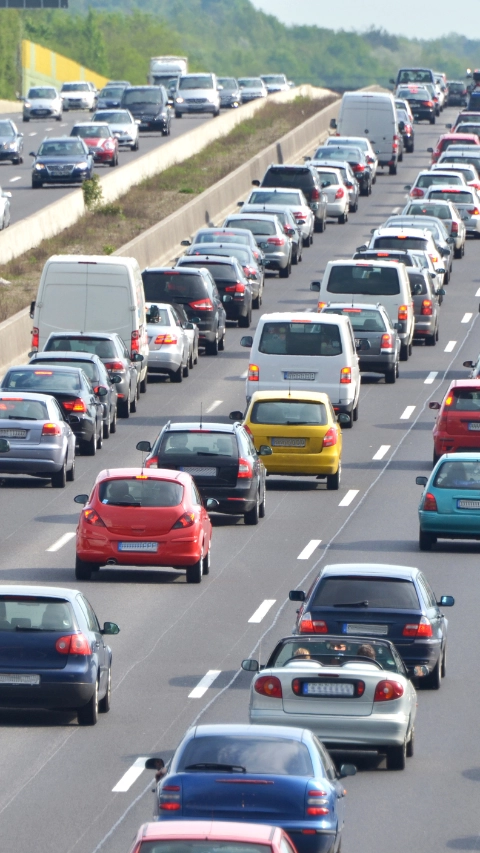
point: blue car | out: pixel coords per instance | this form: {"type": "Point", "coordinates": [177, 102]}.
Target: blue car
{"type": "Point", "coordinates": [396, 603]}
{"type": "Point", "coordinates": [65, 160]}
{"type": "Point", "coordinates": [53, 653]}
{"type": "Point", "coordinates": [450, 504]}
{"type": "Point", "coordinates": [260, 774]}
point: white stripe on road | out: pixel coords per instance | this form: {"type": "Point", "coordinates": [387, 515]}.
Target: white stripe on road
{"type": "Point", "coordinates": [466, 318]}
{"type": "Point", "coordinates": [130, 776]}
{"type": "Point", "coordinates": [215, 405]}
{"type": "Point", "coordinates": [33, 134]}
{"type": "Point", "coordinates": [62, 541]}
{"type": "Point", "coordinates": [349, 497]}
{"type": "Point", "coordinates": [478, 292]}
{"type": "Point", "coordinates": [407, 413]}
{"type": "Point", "coordinates": [309, 549]}
{"type": "Point", "coordinates": [262, 610]}
{"type": "Point", "coordinates": [48, 129]}
{"type": "Point", "coordinates": [396, 210]}
{"type": "Point", "coordinates": [383, 449]}
{"type": "Point", "coordinates": [12, 180]}
{"type": "Point", "coordinates": [204, 684]}
{"type": "Point", "coordinates": [450, 346]}
{"type": "Point", "coordinates": [64, 124]}
{"type": "Point", "coordinates": [244, 374]}
{"type": "Point", "coordinates": [431, 377]}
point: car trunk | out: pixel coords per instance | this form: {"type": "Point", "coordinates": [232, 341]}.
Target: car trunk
{"type": "Point", "coordinates": [308, 439]}
{"type": "Point", "coordinates": [30, 650]}
{"type": "Point", "coordinates": [227, 796]}
{"type": "Point", "coordinates": [343, 704]}
{"type": "Point", "coordinates": [368, 343]}
{"type": "Point", "coordinates": [462, 423]}
{"type": "Point", "coordinates": [369, 621]}
{"type": "Point", "coordinates": [457, 502]}
{"type": "Point", "coordinates": [131, 521]}
{"type": "Point", "coordinates": [206, 470]}
{"type": "Point", "coordinates": [21, 433]}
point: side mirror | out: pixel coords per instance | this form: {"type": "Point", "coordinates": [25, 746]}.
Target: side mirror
{"type": "Point", "coordinates": [445, 252]}
{"type": "Point", "coordinates": [246, 341]}
{"type": "Point", "coordinates": [446, 601]}
{"type": "Point", "coordinates": [154, 764]}
{"type": "Point", "coordinates": [4, 445]}
{"type": "Point", "coordinates": [256, 183]}
{"type": "Point", "coordinates": [401, 126]}
{"type": "Point", "coordinates": [347, 770]}
{"type": "Point", "coordinates": [440, 292]}
{"type": "Point", "coordinates": [32, 154]}
{"type": "Point", "coordinates": [430, 150]}
{"type": "Point", "coordinates": [296, 595]}
{"type": "Point", "coordinates": [398, 327]}
{"type": "Point", "coordinates": [137, 356]}
{"type": "Point", "coordinates": [434, 405]}
{"type": "Point", "coordinates": [32, 309]}
{"type": "Point", "coordinates": [250, 665]}
{"type": "Point", "coordinates": [265, 450]}
{"type": "Point", "coordinates": [421, 481]}
{"type": "Point", "coordinates": [362, 248]}
{"type": "Point", "coordinates": [469, 364]}
{"type": "Point", "coordinates": [186, 243]}
{"type": "Point", "coordinates": [372, 230]}
{"type": "Point", "coordinates": [240, 203]}
{"type": "Point", "coordinates": [343, 418]}
{"type": "Point", "coordinates": [407, 187]}
{"type": "Point", "coordinates": [289, 231]}
{"type": "Point", "coordinates": [81, 499]}
{"type": "Point", "coordinates": [333, 123]}
{"type": "Point", "coordinates": [441, 271]}
{"type": "Point", "coordinates": [236, 416]}
{"type": "Point", "coordinates": [101, 391]}
{"type": "Point", "coordinates": [110, 628]}
{"type": "Point", "coordinates": [115, 378]}
{"type": "Point", "coordinates": [315, 286]}
{"type": "Point", "coordinates": [144, 446]}
{"type": "Point", "coordinates": [212, 504]}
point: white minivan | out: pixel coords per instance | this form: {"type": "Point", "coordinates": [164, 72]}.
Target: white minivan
{"type": "Point", "coordinates": [371, 114]}
{"type": "Point", "coordinates": [93, 293]}
{"type": "Point", "coordinates": [305, 352]}
{"type": "Point", "coordinates": [372, 281]}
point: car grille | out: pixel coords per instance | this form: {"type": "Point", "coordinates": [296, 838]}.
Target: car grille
{"type": "Point", "coordinates": [63, 169]}
{"type": "Point", "coordinates": [196, 100]}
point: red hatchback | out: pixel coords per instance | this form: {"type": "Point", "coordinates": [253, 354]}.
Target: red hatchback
{"type": "Point", "coordinates": [457, 427]}
{"type": "Point", "coordinates": [138, 517]}
{"type": "Point", "coordinates": [99, 138]}
{"type": "Point", "coordinates": [205, 836]}
{"type": "Point", "coordinates": [452, 139]}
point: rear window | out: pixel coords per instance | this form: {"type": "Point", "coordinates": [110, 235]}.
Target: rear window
{"type": "Point", "coordinates": [173, 287]}
{"type": "Point", "coordinates": [367, 278]}
{"type": "Point", "coordinates": [401, 243]}
{"type": "Point", "coordinates": [457, 196]}
{"type": "Point", "coordinates": [265, 197]}
{"type": "Point", "coordinates": [456, 87]}
{"type": "Point", "coordinates": [238, 252]}
{"type": "Point", "coordinates": [389, 593]}
{"type": "Point", "coordinates": [99, 346]}
{"type": "Point", "coordinates": [265, 755]}
{"type": "Point", "coordinates": [438, 178]}
{"type": "Point", "coordinates": [221, 237]}
{"type": "Point", "coordinates": [300, 339]}
{"type": "Point", "coordinates": [328, 178]}
{"type": "Point", "coordinates": [31, 410]}
{"type": "Point", "coordinates": [35, 613]}
{"type": "Point", "coordinates": [414, 75]}
{"type": "Point", "coordinates": [158, 315]}
{"type": "Point", "coordinates": [474, 161]}
{"type": "Point", "coordinates": [198, 845]}
{"type": "Point", "coordinates": [219, 271]}
{"type": "Point", "coordinates": [362, 319]}
{"type": "Point", "coordinates": [289, 413]}
{"type": "Point", "coordinates": [259, 227]}
{"type": "Point", "coordinates": [133, 492]}
{"type": "Point", "coordinates": [88, 367]}
{"type": "Point", "coordinates": [300, 178]}
{"type": "Point", "coordinates": [438, 210]}
{"type": "Point", "coordinates": [463, 400]}
{"type": "Point", "coordinates": [458, 475]}
{"type": "Point", "coordinates": [199, 444]}
{"type": "Point", "coordinates": [43, 378]}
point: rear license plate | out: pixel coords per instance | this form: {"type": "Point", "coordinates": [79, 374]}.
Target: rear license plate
{"type": "Point", "coordinates": [13, 433]}
{"type": "Point", "coordinates": [464, 504]}
{"type": "Point", "coordinates": [200, 472]}
{"type": "Point", "coordinates": [289, 374]}
{"type": "Point", "coordinates": [17, 678]}
{"type": "Point", "coordinates": [289, 442]}
{"type": "Point", "coordinates": [354, 628]}
{"type": "Point", "coordinates": [144, 547]}
{"type": "Point", "coordinates": [315, 689]}
{"type": "Point", "coordinates": [475, 426]}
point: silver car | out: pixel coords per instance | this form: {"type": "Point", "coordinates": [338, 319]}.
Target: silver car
{"type": "Point", "coordinates": [11, 141]}
{"type": "Point", "coordinates": [449, 216]}
{"type": "Point", "coordinates": [168, 344]}
{"type": "Point", "coordinates": [271, 237]}
{"type": "Point", "coordinates": [349, 178]}
{"type": "Point", "coordinates": [5, 197]}
{"type": "Point", "coordinates": [359, 142]}
{"type": "Point", "coordinates": [41, 440]}
{"type": "Point", "coordinates": [467, 202]}
{"type": "Point", "coordinates": [110, 96]}
{"type": "Point", "coordinates": [290, 225]}
{"type": "Point", "coordinates": [123, 125]}
{"type": "Point", "coordinates": [275, 83]}
{"type": "Point", "coordinates": [42, 102]}
{"type": "Point", "coordinates": [437, 229]}
{"type": "Point", "coordinates": [282, 197]}
{"type": "Point", "coordinates": [338, 201]}
{"type": "Point", "coordinates": [252, 88]}
{"type": "Point", "coordinates": [230, 92]}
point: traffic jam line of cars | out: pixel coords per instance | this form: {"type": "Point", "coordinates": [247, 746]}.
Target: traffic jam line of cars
{"type": "Point", "coordinates": [366, 635]}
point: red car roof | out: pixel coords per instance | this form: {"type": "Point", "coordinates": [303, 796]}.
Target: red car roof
{"type": "Point", "coordinates": [153, 474]}
{"type": "Point", "coordinates": [459, 137]}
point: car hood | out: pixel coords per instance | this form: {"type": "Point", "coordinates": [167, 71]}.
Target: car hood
{"type": "Point", "coordinates": [40, 103]}
{"type": "Point", "coordinates": [108, 102]}
{"type": "Point", "coordinates": [60, 158]}
{"type": "Point", "coordinates": [95, 140]}
{"type": "Point", "coordinates": [8, 139]}
{"type": "Point", "coordinates": [118, 128]}
{"type": "Point", "coordinates": [197, 93]}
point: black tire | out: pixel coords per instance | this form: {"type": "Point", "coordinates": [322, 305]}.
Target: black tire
{"type": "Point", "coordinates": [89, 448]}
{"type": "Point", "coordinates": [263, 506]}
{"type": "Point", "coordinates": [185, 370]}
{"type": "Point", "coordinates": [83, 570]}
{"type": "Point", "coordinates": [400, 158]}
{"type": "Point", "coordinates": [133, 403]}
{"type": "Point", "coordinates": [37, 185]}
{"type": "Point", "coordinates": [123, 408]}
{"type": "Point", "coordinates": [404, 351]}
{"type": "Point", "coordinates": [285, 272]}
{"type": "Point", "coordinates": [256, 303]}
{"type": "Point", "coordinates": [252, 515]}
{"type": "Point", "coordinates": [391, 376]}
{"type": "Point", "coordinates": [58, 118]}
{"type": "Point", "coordinates": [343, 219]}
{"type": "Point", "coordinates": [333, 480]}
{"type": "Point", "coordinates": [113, 423]}
{"type": "Point", "coordinates": [245, 322]}
{"type": "Point", "coordinates": [350, 423]}
{"type": "Point", "coordinates": [211, 347]}
{"type": "Point", "coordinates": [206, 562]}
{"type": "Point", "coordinates": [436, 457]}
{"type": "Point", "coordinates": [106, 428]}
{"type": "Point", "coordinates": [144, 384]}
{"type": "Point", "coordinates": [354, 207]}
{"type": "Point", "coordinates": [178, 115]}
{"type": "Point", "coordinates": [396, 757]}
{"type": "Point", "coordinates": [355, 411]}
{"type": "Point", "coordinates": [191, 361]}
{"type": "Point", "coordinates": [59, 479]}
{"type": "Point", "coordinates": [432, 120]}
{"type": "Point", "coordinates": [364, 191]}
{"type": "Point", "coordinates": [114, 162]}
{"type": "Point", "coordinates": [434, 680]}
{"type": "Point", "coordinates": [177, 375]}
{"type": "Point", "coordinates": [71, 472]}
{"type": "Point", "coordinates": [410, 750]}
{"type": "Point", "coordinates": [392, 170]}
{"type": "Point", "coordinates": [443, 668]}
{"type": "Point", "coordinates": [431, 340]}
{"type": "Point", "coordinates": [195, 572]}
{"type": "Point", "coordinates": [426, 540]}
{"type": "Point", "coordinates": [105, 703]}
{"type": "Point", "coordinates": [221, 343]}
{"type": "Point", "coordinates": [88, 714]}
{"type": "Point", "coordinates": [319, 226]}
{"type": "Point", "coordinates": [295, 258]}
{"type": "Point", "coordinates": [100, 437]}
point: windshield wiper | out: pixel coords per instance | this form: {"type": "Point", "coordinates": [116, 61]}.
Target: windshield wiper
{"type": "Point", "coordinates": [205, 765]}
{"type": "Point", "coordinates": [23, 418]}
{"type": "Point", "coordinates": [353, 604]}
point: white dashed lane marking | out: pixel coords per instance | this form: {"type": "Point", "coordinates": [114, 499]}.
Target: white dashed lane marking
{"type": "Point", "coordinates": [349, 497]}
{"type": "Point", "coordinates": [244, 374]}
{"type": "Point", "coordinates": [130, 776]}
{"type": "Point", "coordinates": [215, 405]}
{"type": "Point", "coordinates": [309, 549]}
{"type": "Point", "coordinates": [204, 684]}
{"type": "Point", "coordinates": [262, 610]}
{"type": "Point", "coordinates": [450, 346]}
{"type": "Point", "coordinates": [62, 541]}
{"type": "Point", "coordinates": [466, 318]}
{"type": "Point", "coordinates": [407, 413]}
{"type": "Point", "coordinates": [12, 180]}
{"type": "Point", "coordinates": [431, 377]}
{"type": "Point", "coordinates": [382, 451]}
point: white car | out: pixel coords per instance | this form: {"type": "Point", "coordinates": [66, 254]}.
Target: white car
{"type": "Point", "coordinates": [359, 142]}
{"type": "Point", "coordinates": [4, 209]}
{"type": "Point", "coordinates": [409, 238]}
{"type": "Point", "coordinates": [426, 178]}
{"type": "Point", "coordinates": [281, 197]}
{"type": "Point", "coordinates": [348, 176]}
{"type": "Point", "coordinates": [78, 96]}
{"type": "Point", "coordinates": [123, 125]}
{"type": "Point", "coordinates": [425, 262]}
{"type": "Point", "coordinates": [168, 343]}
{"type": "Point", "coordinates": [465, 199]}
{"type": "Point", "coordinates": [353, 692]}
{"type": "Point", "coordinates": [338, 199]}
{"type": "Point", "coordinates": [42, 102]}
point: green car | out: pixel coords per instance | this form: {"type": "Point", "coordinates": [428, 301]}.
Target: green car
{"type": "Point", "coordinates": [450, 504]}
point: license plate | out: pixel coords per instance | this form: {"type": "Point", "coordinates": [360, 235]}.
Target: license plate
{"type": "Point", "coordinates": [17, 678]}
{"type": "Point", "coordinates": [475, 426]}
{"type": "Point", "coordinates": [59, 173]}
{"type": "Point", "coordinates": [464, 504]}
{"type": "Point", "coordinates": [13, 433]}
{"type": "Point", "coordinates": [354, 628]}
{"type": "Point", "coordinates": [315, 689]}
{"type": "Point", "coordinates": [200, 472]}
{"type": "Point", "coordinates": [289, 374]}
{"type": "Point", "coordinates": [289, 442]}
{"type": "Point", "coordinates": [144, 547]}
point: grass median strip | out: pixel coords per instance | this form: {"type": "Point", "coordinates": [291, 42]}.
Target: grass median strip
{"type": "Point", "coordinates": [108, 227]}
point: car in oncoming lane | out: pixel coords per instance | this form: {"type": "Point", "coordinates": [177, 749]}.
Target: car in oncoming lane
{"type": "Point", "coordinates": [123, 126]}
{"type": "Point", "coordinates": [61, 160]}
{"type": "Point", "coordinates": [42, 102]}
{"type": "Point", "coordinates": [100, 140]}
{"type": "Point", "coordinates": [450, 504]}
{"type": "Point", "coordinates": [197, 836]}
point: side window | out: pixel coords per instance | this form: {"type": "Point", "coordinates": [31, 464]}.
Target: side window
{"type": "Point", "coordinates": [197, 500]}
{"type": "Point", "coordinates": [425, 592]}
{"type": "Point", "coordinates": [326, 760]}
{"type": "Point", "coordinates": [59, 413]}
{"type": "Point", "coordinates": [83, 607]}
{"type": "Point", "coordinates": [91, 618]}
{"type": "Point", "coordinates": [429, 593]}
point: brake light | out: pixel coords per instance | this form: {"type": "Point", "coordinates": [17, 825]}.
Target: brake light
{"type": "Point", "coordinates": [312, 626]}
{"type": "Point", "coordinates": [395, 142]}
{"type": "Point", "coordinates": [418, 629]}
{"type": "Point", "coordinates": [245, 470]}
{"type": "Point", "coordinates": [250, 271]}
{"type": "Point", "coordinates": [340, 193]}
{"type": "Point", "coordinates": [403, 312]}
{"type": "Point", "coordinates": [345, 376]}
{"type": "Point", "coordinates": [185, 520]}
{"type": "Point", "coordinates": [320, 306]}
{"type": "Point", "coordinates": [330, 438]}
{"type": "Point", "coordinates": [387, 690]}
{"type": "Point", "coordinates": [427, 103]}
{"type": "Point", "coordinates": [235, 288]}
{"type": "Point", "coordinates": [427, 308]}
{"type": "Point", "coordinates": [35, 338]}
{"type": "Point", "coordinates": [135, 341]}
{"type": "Point", "coordinates": [51, 429]}
{"type": "Point", "coordinates": [269, 685]}
{"type": "Point", "coordinates": [169, 798]}
{"type": "Point", "coordinates": [386, 343]}
{"type": "Point", "coordinates": [316, 803]}
{"type": "Point", "coordinates": [165, 339]}
{"type": "Point", "coordinates": [417, 193]}
{"type": "Point", "coordinates": [253, 373]}
{"type": "Point", "coordinates": [115, 366]}
{"type": "Point", "coordinates": [299, 214]}
{"type": "Point", "coordinates": [73, 644]}
{"type": "Point", "coordinates": [202, 305]}
{"type": "Point", "coordinates": [247, 429]}
{"type": "Point", "coordinates": [474, 212]}
{"type": "Point", "coordinates": [76, 405]}
{"type": "Point", "coordinates": [430, 503]}
{"type": "Point", "coordinates": [434, 259]}
{"type": "Point", "coordinates": [449, 400]}
{"type": "Point", "coordinates": [315, 194]}
{"type": "Point", "coordinates": [454, 227]}
{"type": "Point", "coordinates": [358, 167]}
{"type": "Point", "coordinates": [276, 241]}
{"type": "Point", "coordinates": [92, 517]}
{"type": "Point", "coordinates": [152, 462]}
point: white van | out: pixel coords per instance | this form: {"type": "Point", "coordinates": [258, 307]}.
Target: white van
{"type": "Point", "coordinates": [302, 351]}
{"type": "Point", "coordinates": [371, 114]}
{"type": "Point", "coordinates": [92, 293]}
{"type": "Point", "coordinates": [372, 281]}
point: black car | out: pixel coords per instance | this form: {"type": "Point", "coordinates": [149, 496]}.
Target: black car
{"type": "Point", "coordinates": [474, 101]}
{"type": "Point", "coordinates": [61, 161]}
{"type": "Point", "coordinates": [405, 127]}
{"type": "Point", "coordinates": [253, 268]}
{"type": "Point", "coordinates": [303, 178]}
{"type": "Point", "coordinates": [233, 285]}
{"type": "Point", "coordinates": [98, 375]}
{"type": "Point", "coordinates": [356, 158]}
{"type": "Point", "coordinates": [422, 105]}
{"type": "Point", "coordinates": [376, 339]}
{"type": "Point", "coordinates": [426, 305]}
{"type": "Point", "coordinates": [149, 104]}
{"type": "Point", "coordinates": [196, 290]}
{"type": "Point", "coordinates": [73, 391]}
{"type": "Point", "coordinates": [457, 93]}
{"type": "Point", "coordinates": [11, 141]}
{"type": "Point", "coordinates": [221, 458]}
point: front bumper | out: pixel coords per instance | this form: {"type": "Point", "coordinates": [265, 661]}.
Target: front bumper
{"type": "Point", "coordinates": [208, 108]}
{"type": "Point", "coordinates": [125, 139]}
{"type": "Point", "coordinates": [370, 731]}
{"type": "Point", "coordinates": [9, 154]}
{"type": "Point", "coordinates": [44, 177]}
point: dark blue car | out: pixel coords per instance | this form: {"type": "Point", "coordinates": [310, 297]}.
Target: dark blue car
{"type": "Point", "coordinates": [374, 599]}
{"type": "Point", "coordinates": [53, 653]}
{"type": "Point", "coordinates": [260, 774]}
{"type": "Point", "coordinates": [65, 160]}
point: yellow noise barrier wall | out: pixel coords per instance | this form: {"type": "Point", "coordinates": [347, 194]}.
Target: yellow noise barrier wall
{"type": "Point", "coordinates": [40, 65]}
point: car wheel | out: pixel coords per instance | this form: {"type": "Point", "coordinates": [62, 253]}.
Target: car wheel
{"type": "Point", "coordinates": [133, 403]}
{"type": "Point", "coordinates": [206, 561]}
{"type": "Point", "coordinates": [59, 479]}
{"type": "Point", "coordinates": [186, 370]}
{"type": "Point", "coordinates": [364, 191]}
{"type": "Point", "coordinates": [396, 756]}
{"type": "Point", "coordinates": [333, 480]}
{"type": "Point", "coordinates": [113, 423]}
{"type": "Point", "coordinates": [319, 225]}
{"type": "Point", "coordinates": [434, 680]}
{"type": "Point", "coordinates": [256, 303]}
{"type": "Point", "coordinates": [83, 570]}
{"type": "Point", "coordinates": [36, 185]}
{"type": "Point", "coordinates": [144, 383]}
{"type": "Point", "coordinates": [88, 714]}
{"type": "Point", "coordinates": [100, 437]}
{"type": "Point", "coordinates": [426, 540]}
{"type": "Point", "coordinates": [194, 573]}
{"type": "Point", "coordinates": [404, 352]}
{"type": "Point", "coordinates": [354, 207]}
{"type": "Point", "coordinates": [343, 219]}
{"type": "Point", "coordinates": [432, 120]}
{"type": "Point", "coordinates": [211, 347]}
{"type": "Point", "coordinates": [89, 448]}
{"type": "Point", "coordinates": [178, 115]}
{"type": "Point", "coordinates": [104, 704]}
{"type": "Point", "coordinates": [252, 515]}
{"type": "Point", "coordinates": [114, 162]}
{"type": "Point", "coordinates": [244, 322]}
{"type": "Point", "coordinates": [295, 258]}
{"type": "Point", "coordinates": [443, 670]}
{"type": "Point", "coordinates": [391, 376]}
{"type": "Point", "coordinates": [123, 407]}
{"type": "Point", "coordinates": [191, 361]}
{"type": "Point", "coordinates": [71, 472]}
{"type": "Point", "coordinates": [263, 505]}
{"type": "Point", "coordinates": [411, 744]}
{"type": "Point", "coordinates": [106, 428]}
{"type": "Point", "coordinates": [392, 170]}
{"type": "Point", "coordinates": [355, 411]}
{"type": "Point", "coordinates": [58, 118]}
{"type": "Point", "coordinates": [285, 272]}
{"type": "Point", "coordinates": [457, 253]}
{"type": "Point", "coordinates": [431, 340]}
{"type": "Point", "coordinates": [177, 375]}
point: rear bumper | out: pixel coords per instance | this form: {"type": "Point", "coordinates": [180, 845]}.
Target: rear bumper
{"type": "Point", "coordinates": [424, 326]}
{"type": "Point", "coordinates": [377, 363]}
{"type": "Point", "coordinates": [46, 695]}
{"type": "Point", "coordinates": [371, 730]}
{"type": "Point", "coordinates": [455, 443]}
{"type": "Point", "coordinates": [451, 526]}
{"type": "Point", "coordinates": [164, 362]}
{"type": "Point", "coordinates": [173, 551]}
{"type": "Point", "coordinates": [303, 464]}
{"type": "Point", "coordinates": [336, 208]}
{"type": "Point", "coordinates": [276, 260]}
{"type": "Point", "coordinates": [37, 459]}
{"type": "Point", "coordinates": [237, 308]}
{"type": "Point", "coordinates": [233, 500]}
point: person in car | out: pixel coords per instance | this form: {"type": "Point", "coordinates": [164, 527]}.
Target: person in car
{"type": "Point", "coordinates": [366, 651]}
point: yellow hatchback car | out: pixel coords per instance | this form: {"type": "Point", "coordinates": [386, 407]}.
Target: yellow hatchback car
{"type": "Point", "coordinates": [297, 434]}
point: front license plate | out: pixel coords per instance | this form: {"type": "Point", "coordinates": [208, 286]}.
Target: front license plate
{"type": "Point", "coordinates": [144, 547]}
{"type": "Point", "coordinates": [17, 678]}
{"type": "Point", "coordinates": [200, 472]}
{"type": "Point", "coordinates": [315, 689]}
{"type": "Point", "coordinates": [464, 504]}
{"type": "Point", "coordinates": [475, 426]}
{"type": "Point", "coordinates": [289, 442]}
{"type": "Point", "coordinates": [289, 374]}
{"type": "Point", "coordinates": [13, 433]}
{"type": "Point", "coordinates": [354, 628]}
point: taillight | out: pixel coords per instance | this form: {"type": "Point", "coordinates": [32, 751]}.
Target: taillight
{"type": "Point", "coordinates": [312, 626]}
{"type": "Point", "coordinates": [420, 629]}
{"type": "Point", "coordinates": [114, 366]}
{"type": "Point", "coordinates": [299, 214]}
{"type": "Point", "coordinates": [165, 339]}
{"type": "Point", "coordinates": [454, 227]}
{"type": "Point", "coordinates": [253, 373]}
{"type": "Point", "coordinates": [91, 516]}
{"type": "Point", "coordinates": [76, 405]}
{"type": "Point", "coordinates": [340, 193]}
{"type": "Point", "coordinates": [386, 343]}
{"type": "Point", "coordinates": [135, 341]}
{"type": "Point", "coordinates": [449, 400]}
{"type": "Point", "coordinates": [276, 241]}
{"type": "Point", "coordinates": [330, 438]}
{"type": "Point", "coordinates": [51, 429]}
{"type": "Point", "coordinates": [345, 375]}
{"type": "Point", "coordinates": [235, 288]}
{"type": "Point", "coordinates": [316, 803]}
{"type": "Point", "coordinates": [315, 194]}
{"type": "Point", "coordinates": [35, 338]}
{"type": "Point", "coordinates": [73, 644]}
{"type": "Point", "coordinates": [430, 503]}
{"type": "Point", "coordinates": [395, 142]}
{"type": "Point", "coordinates": [247, 429]}
{"type": "Point", "coordinates": [185, 520]}
{"type": "Point", "coordinates": [403, 312]}
{"type": "Point", "coordinates": [152, 462]}
{"type": "Point", "coordinates": [250, 271]}
{"type": "Point", "coordinates": [474, 212]}
{"type": "Point", "coordinates": [427, 308]}
{"type": "Point", "coordinates": [427, 103]}
{"type": "Point", "coordinates": [169, 798]}
{"type": "Point", "coordinates": [358, 168]}
{"type": "Point", "coordinates": [320, 306]}
{"type": "Point", "coordinates": [417, 193]}
{"type": "Point", "coordinates": [269, 685]}
{"type": "Point", "coordinates": [434, 258]}
{"type": "Point", "coordinates": [387, 690]}
{"type": "Point", "coordinates": [245, 470]}
{"type": "Point", "coordinates": [202, 305]}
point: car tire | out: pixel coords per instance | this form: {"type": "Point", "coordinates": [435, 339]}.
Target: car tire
{"type": "Point", "coordinates": [88, 714]}
{"type": "Point", "coordinates": [221, 343]}
{"type": "Point", "coordinates": [178, 115]}
{"type": "Point", "coordinates": [319, 225]}
{"type": "Point", "coordinates": [391, 376]}
{"type": "Point", "coordinates": [333, 480]}
{"type": "Point", "coordinates": [245, 322]}
{"type": "Point", "coordinates": [392, 170]}
{"type": "Point", "coordinates": [59, 479]}
{"type": "Point", "coordinates": [211, 347]}
{"type": "Point", "coordinates": [191, 361]}
{"type": "Point", "coordinates": [106, 428]}
{"type": "Point", "coordinates": [396, 757]}
{"type": "Point", "coordinates": [410, 751]}
{"type": "Point", "coordinates": [105, 703]}
{"type": "Point", "coordinates": [71, 472]}
{"type": "Point", "coordinates": [434, 680]}
{"type": "Point", "coordinates": [354, 207]}
{"type": "Point", "coordinates": [458, 253]}
{"type": "Point", "coordinates": [426, 540]}
{"type": "Point", "coordinates": [89, 448]}
{"type": "Point", "coordinates": [400, 158]}
{"type": "Point", "coordinates": [285, 272]}
{"type": "Point", "coordinates": [144, 383]}
{"type": "Point", "coordinates": [251, 516]}
{"type": "Point", "coordinates": [343, 219]}
{"type": "Point", "coordinates": [83, 570]}
{"type": "Point", "coordinates": [443, 668]}
{"type": "Point", "coordinates": [100, 437]}
{"type": "Point", "coordinates": [133, 403]}
{"type": "Point", "coordinates": [195, 572]}
{"type": "Point", "coordinates": [431, 340]}
{"type": "Point", "coordinates": [355, 411]}
{"type": "Point", "coordinates": [263, 506]}
{"type": "Point", "coordinates": [123, 407]}
{"type": "Point", "coordinates": [295, 258]}
{"type": "Point", "coordinates": [257, 302]}
{"type": "Point", "coordinates": [26, 120]}
{"type": "Point", "coordinates": [185, 370]}
{"type": "Point", "coordinates": [404, 348]}
{"type": "Point", "coordinates": [113, 423]}
{"type": "Point", "coordinates": [37, 185]}
{"type": "Point", "coordinates": [206, 561]}
{"type": "Point", "coordinates": [177, 375]}
{"type": "Point", "coordinates": [432, 120]}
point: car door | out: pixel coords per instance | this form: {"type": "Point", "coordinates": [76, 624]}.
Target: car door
{"type": "Point", "coordinates": [433, 612]}
{"type": "Point", "coordinates": [204, 517]}
{"type": "Point", "coordinates": [99, 648]}
{"type": "Point", "coordinates": [67, 430]}
{"type": "Point", "coordinates": [95, 405]}
{"type": "Point", "coordinates": [105, 380]}
{"type": "Point", "coordinates": [217, 302]}
{"type": "Point", "coordinates": [332, 776]}
{"type": "Point", "coordinates": [247, 447]}
{"type": "Point", "coordinates": [131, 367]}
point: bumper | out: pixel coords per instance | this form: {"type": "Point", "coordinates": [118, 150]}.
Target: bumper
{"type": "Point", "coordinates": [236, 308]}
{"type": "Point", "coordinates": [77, 104]}
{"type": "Point", "coordinates": [173, 551]}
{"type": "Point", "coordinates": [336, 208]}
{"type": "Point", "coordinates": [9, 155]}
{"type": "Point", "coordinates": [154, 124]}
{"type": "Point", "coordinates": [125, 140]}
{"type": "Point", "coordinates": [444, 443]}
{"type": "Point", "coordinates": [303, 464]}
{"type": "Point", "coordinates": [425, 326]}
{"type": "Point", "coordinates": [232, 501]}
{"type": "Point", "coordinates": [73, 178]}
{"type": "Point", "coordinates": [44, 113]}
{"type": "Point", "coordinates": [276, 260]}
{"type": "Point", "coordinates": [377, 363]}
{"type": "Point", "coordinates": [423, 115]}
{"type": "Point", "coordinates": [370, 731]}
{"type": "Point", "coordinates": [183, 109]}
{"type": "Point", "coordinates": [47, 695]}
{"type": "Point", "coordinates": [82, 428]}
{"type": "Point", "coordinates": [103, 156]}
{"type": "Point", "coordinates": [451, 526]}
{"type": "Point", "coordinates": [163, 362]}
{"type": "Point", "coordinates": [472, 224]}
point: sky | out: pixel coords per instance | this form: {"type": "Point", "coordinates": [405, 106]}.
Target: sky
{"type": "Point", "coordinates": [414, 18]}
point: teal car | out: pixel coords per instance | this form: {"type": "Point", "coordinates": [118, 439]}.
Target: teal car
{"type": "Point", "coordinates": [450, 504]}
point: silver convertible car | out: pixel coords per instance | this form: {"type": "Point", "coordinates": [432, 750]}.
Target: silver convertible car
{"type": "Point", "coordinates": [352, 692]}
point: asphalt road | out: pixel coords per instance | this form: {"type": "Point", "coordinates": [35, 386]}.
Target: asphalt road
{"type": "Point", "coordinates": [56, 778]}
{"type": "Point", "coordinates": [18, 179]}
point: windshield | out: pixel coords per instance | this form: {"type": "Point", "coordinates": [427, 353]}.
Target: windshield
{"type": "Point", "coordinates": [401, 242]}
{"type": "Point", "coordinates": [75, 87]}
{"type": "Point", "coordinates": [141, 96]}
{"type": "Point", "coordinates": [32, 410]}
{"type": "Point", "coordinates": [388, 593]}
{"type": "Point", "coordinates": [43, 378]}
{"type": "Point", "coordinates": [228, 83]}
{"type": "Point", "coordinates": [250, 82]}
{"type": "Point", "coordinates": [35, 613]}
{"type": "Point", "coordinates": [300, 338]}
{"type": "Point", "coordinates": [277, 197]}
{"type": "Point", "coordinates": [415, 75]}
{"type": "Point", "coordinates": [439, 178]}
{"type": "Point", "coordinates": [199, 443]}
{"type": "Point", "coordinates": [333, 652]}
{"type": "Point", "coordinates": [100, 346]}
{"type": "Point", "coordinates": [263, 755]}
{"type": "Point", "coordinates": [289, 413]}
{"type": "Point", "coordinates": [197, 82]}
{"type": "Point", "coordinates": [219, 271]}
{"type": "Point", "coordinates": [6, 129]}
{"type": "Point", "coordinates": [296, 178]}
{"type": "Point", "coordinates": [93, 131]}
{"type": "Point", "coordinates": [114, 117]}
{"type": "Point", "coordinates": [61, 148]}
{"type": "Point", "coordinates": [365, 278]}
{"type": "Point", "coordinates": [221, 237]}
{"type": "Point", "coordinates": [458, 475]}
{"type": "Point", "coordinates": [115, 92]}
{"type": "Point", "coordinates": [362, 319]}
{"type": "Point", "coordinates": [88, 367]}
{"type": "Point", "coordinates": [173, 287]}
{"type": "Point", "coordinates": [41, 93]}
{"type": "Point", "coordinates": [457, 196]}
{"type": "Point", "coordinates": [139, 492]}
{"type": "Point", "coordinates": [277, 79]}
{"type": "Point", "coordinates": [258, 227]}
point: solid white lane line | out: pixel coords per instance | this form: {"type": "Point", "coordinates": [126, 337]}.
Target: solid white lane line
{"type": "Point", "coordinates": [262, 610]}
{"type": "Point", "coordinates": [431, 377]}
{"type": "Point", "coordinates": [349, 497]}
{"type": "Point", "coordinates": [62, 541]}
{"type": "Point", "coordinates": [12, 180]}
{"type": "Point", "coordinates": [450, 346]}
{"type": "Point", "coordinates": [466, 318]}
{"type": "Point", "coordinates": [244, 374]}
{"type": "Point", "coordinates": [130, 776]}
{"type": "Point", "coordinates": [407, 413]}
{"type": "Point", "coordinates": [309, 549]}
{"type": "Point", "coordinates": [215, 405]}
{"type": "Point", "coordinates": [204, 684]}
{"type": "Point", "coordinates": [382, 451]}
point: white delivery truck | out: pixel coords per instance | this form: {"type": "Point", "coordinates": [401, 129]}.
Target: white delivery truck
{"type": "Point", "coordinates": [371, 114]}
{"type": "Point", "coordinates": [165, 69]}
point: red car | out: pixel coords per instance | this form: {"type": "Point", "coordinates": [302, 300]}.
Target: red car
{"type": "Point", "coordinates": [457, 427]}
{"type": "Point", "coordinates": [99, 138]}
{"type": "Point", "coordinates": [202, 836]}
{"type": "Point", "coordinates": [138, 517]}
{"type": "Point", "coordinates": [452, 139]}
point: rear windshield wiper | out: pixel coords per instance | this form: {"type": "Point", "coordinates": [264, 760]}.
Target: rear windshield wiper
{"type": "Point", "coordinates": [207, 453]}
{"type": "Point", "coordinates": [19, 628]}
{"type": "Point", "coordinates": [124, 503]}
{"type": "Point", "coordinates": [22, 418]}
{"type": "Point", "coordinates": [353, 604]}
{"type": "Point", "coordinates": [204, 765]}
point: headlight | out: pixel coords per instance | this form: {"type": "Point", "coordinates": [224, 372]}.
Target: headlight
{"type": "Point", "coordinates": [27, 104]}
{"type": "Point", "coordinates": [39, 166]}
{"type": "Point", "coordinates": [12, 145]}
{"type": "Point", "coordinates": [82, 165]}
{"type": "Point", "coordinates": [179, 100]}
{"type": "Point", "coordinates": [109, 146]}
